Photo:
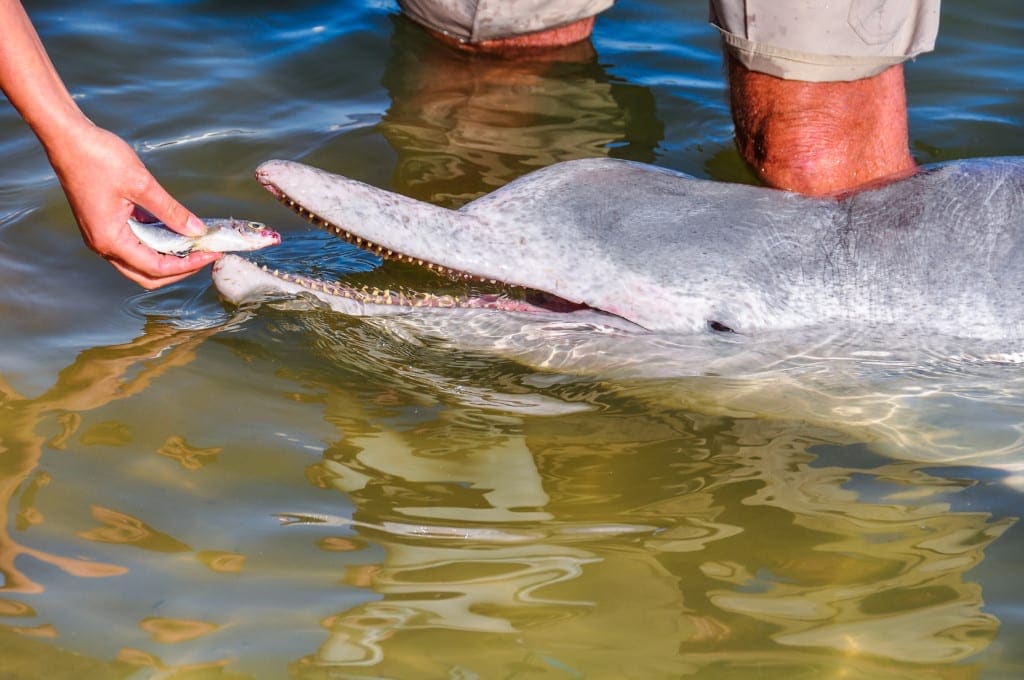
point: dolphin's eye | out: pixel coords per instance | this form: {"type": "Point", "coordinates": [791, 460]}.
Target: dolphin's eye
{"type": "Point", "coordinates": [719, 326]}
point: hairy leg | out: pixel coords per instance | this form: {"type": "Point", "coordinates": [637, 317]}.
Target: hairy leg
{"type": "Point", "coordinates": [821, 138]}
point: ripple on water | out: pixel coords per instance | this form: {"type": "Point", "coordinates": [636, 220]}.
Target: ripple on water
{"type": "Point", "coordinates": [818, 510]}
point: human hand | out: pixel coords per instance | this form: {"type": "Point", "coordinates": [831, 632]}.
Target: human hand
{"type": "Point", "coordinates": [102, 177]}
{"type": "Point", "coordinates": [104, 181]}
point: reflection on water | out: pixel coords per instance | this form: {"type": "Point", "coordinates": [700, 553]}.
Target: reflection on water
{"type": "Point", "coordinates": [193, 491]}
{"type": "Point", "coordinates": [463, 125]}
{"type": "Point", "coordinates": [626, 538]}
{"type": "Point", "coordinates": [99, 376]}
{"type": "Point", "coordinates": [753, 541]}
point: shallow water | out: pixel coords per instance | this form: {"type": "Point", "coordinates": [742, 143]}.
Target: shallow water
{"type": "Point", "coordinates": [194, 491]}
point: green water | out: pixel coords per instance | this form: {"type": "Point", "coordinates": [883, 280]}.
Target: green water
{"type": "Point", "coordinates": [195, 491]}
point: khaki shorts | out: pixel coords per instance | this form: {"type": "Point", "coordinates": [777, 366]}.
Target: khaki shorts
{"type": "Point", "coordinates": [818, 40]}
{"type": "Point", "coordinates": [814, 40]}
{"type": "Point", "coordinates": [475, 20]}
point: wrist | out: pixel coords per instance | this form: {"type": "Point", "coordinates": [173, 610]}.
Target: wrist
{"type": "Point", "coordinates": [60, 129]}
{"type": "Point", "coordinates": [821, 138]}
{"type": "Point", "coordinates": [66, 141]}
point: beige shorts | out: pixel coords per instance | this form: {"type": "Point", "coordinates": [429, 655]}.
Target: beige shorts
{"type": "Point", "coordinates": [475, 20]}
{"type": "Point", "coordinates": [814, 40]}
{"type": "Point", "coordinates": [818, 40]}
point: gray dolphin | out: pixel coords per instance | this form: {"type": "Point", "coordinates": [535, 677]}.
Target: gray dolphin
{"type": "Point", "coordinates": [938, 252]}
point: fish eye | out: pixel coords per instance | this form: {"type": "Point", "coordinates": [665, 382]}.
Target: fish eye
{"type": "Point", "coordinates": [254, 226]}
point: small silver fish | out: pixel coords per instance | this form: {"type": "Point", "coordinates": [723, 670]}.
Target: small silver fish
{"type": "Point", "coordinates": [222, 235]}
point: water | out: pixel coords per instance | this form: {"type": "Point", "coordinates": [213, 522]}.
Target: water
{"type": "Point", "coordinates": [195, 491]}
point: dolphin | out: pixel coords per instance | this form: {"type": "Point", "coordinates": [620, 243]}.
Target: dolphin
{"type": "Point", "coordinates": [653, 250]}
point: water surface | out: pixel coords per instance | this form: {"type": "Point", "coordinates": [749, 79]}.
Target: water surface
{"type": "Point", "coordinates": [191, 490]}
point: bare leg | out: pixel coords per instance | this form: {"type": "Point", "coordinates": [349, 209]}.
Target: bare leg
{"type": "Point", "coordinates": [821, 138]}
{"type": "Point", "coordinates": [552, 37]}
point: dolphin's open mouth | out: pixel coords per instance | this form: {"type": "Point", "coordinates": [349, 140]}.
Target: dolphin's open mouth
{"type": "Point", "coordinates": [625, 244]}
{"type": "Point", "coordinates": [476, 292]}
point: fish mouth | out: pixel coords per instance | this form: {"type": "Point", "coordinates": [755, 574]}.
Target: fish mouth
{"type": "Point", "coordinates": [476, 292]}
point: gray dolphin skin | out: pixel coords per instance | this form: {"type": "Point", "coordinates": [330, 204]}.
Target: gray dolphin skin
{"type": "Point", "coordinates": [939, 252]}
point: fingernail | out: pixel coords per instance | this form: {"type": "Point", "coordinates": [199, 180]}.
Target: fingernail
{"type": "Point", "coordinates": [195, 226]}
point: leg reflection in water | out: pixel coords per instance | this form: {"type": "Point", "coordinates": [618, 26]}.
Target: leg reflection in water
{"type": "Point", "coordinates": [652, 544]}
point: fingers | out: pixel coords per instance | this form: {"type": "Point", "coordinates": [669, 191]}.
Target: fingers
{"type": "Point", "coordinates": [152, 270]}
{"type": "Point", "coordinates": [144, 280]}
{"type": "Point", "coordinates": [154, 198]}
{"type": "Point", "coordinates": [111, 238]}
{"type": "Point", "coordinates": [140, 263]}
{"type": "Point", "coordinates": [105, 182]}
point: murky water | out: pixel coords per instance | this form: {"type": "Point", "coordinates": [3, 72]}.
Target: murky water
{"type": "Point", "coordinates": [195, 491]}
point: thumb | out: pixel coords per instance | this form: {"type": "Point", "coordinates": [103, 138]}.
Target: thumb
{"type": "Point", "coordinates": [165, 208]}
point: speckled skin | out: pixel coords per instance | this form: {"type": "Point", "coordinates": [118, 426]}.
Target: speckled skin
{"type": "Point", "coordinates": [939, 252]}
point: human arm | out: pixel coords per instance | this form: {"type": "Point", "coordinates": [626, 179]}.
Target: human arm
{"type": "Point", "coordinates": [101, 175]}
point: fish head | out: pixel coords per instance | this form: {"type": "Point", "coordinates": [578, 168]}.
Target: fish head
{"type": "Point", "coordinates": [230, 234]}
